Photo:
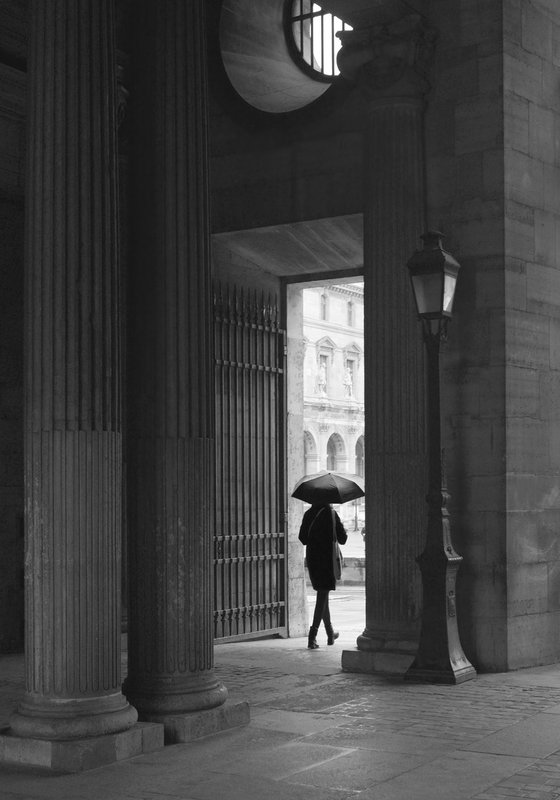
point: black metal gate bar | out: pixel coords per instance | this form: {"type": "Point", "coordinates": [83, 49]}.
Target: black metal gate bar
{"type": "Point", "coordinates": [250, 540]}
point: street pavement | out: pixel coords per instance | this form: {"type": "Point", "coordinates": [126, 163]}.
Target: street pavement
{"type": "Point", "coordinates": [322, 734]}
{"type": "Point", "coordinates": [355, 546]}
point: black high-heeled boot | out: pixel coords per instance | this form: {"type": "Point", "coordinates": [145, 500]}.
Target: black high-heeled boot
{"type": "Point", "coordinates": [331, 634]}
{"type": "Point", "coordinates": [312, 639]}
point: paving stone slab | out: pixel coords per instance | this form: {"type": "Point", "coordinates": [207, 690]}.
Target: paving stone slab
{"type": "Point", "coordinates": [355, 771]}
{"type": "Point", "coordinates": [539, 781]}
{"type": "Point", "coordinates": [250, 788]}
{"type": "Point", "coordinates": [458, 775]}
{"type": "Point", "coordinates": [296, 722]}
{"type": "Point", "coordinates": [366, 735]}
{"type": "Point", "coordinates": [284, 761]}
{"type": "Point", "coordinates": [538, 736]}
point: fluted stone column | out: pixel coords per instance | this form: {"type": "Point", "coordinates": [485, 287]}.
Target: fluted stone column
{"type": "Point", "coordinates": [388, 63]}
{"type": "Point", "coordinates": [171, 396]}
{"type": "Point", "coordinates": [73, 448]}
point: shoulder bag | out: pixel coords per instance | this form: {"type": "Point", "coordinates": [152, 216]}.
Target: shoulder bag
{"type": "Point", "coordinates": [337, 557]}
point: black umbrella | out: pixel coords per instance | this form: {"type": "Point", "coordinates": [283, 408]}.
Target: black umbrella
{"type": "Point", "coordinates": [329, 487]}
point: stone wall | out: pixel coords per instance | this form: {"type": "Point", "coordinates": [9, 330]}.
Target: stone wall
{"type": "Point", "coordinates": [274, 168]}
{"type": "Point", "coordinates": [465, 174]}
{"type": "Point", "coordinates": [532, 328]}
{"type": "Point", "coordinates": [494, 189]}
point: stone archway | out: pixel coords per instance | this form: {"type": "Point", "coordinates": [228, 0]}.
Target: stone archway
{"type": "Point", "coordinates": [337, 455]}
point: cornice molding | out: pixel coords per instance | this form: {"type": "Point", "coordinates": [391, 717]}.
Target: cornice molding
{"type": "Point", "coordinates": [346, 290]}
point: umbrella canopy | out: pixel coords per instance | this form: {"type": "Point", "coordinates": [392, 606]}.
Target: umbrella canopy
{"type": "Point", "coordinates": [329, 487]}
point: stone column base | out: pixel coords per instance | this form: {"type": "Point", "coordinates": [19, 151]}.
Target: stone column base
{"type": "Point", "coordinates": [196, 724]}
{"type": "Point", "coordinates": [77, 755]}
{"type": "Point", "coordinates": [386, 661]}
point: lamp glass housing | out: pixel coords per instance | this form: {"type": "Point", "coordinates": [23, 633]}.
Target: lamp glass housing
{"type": "Point", "coordinates": [433, 276]}
{"type": "Point", "coordinates": [449, 283]}
{"type": "Point", "coordinates": [434, 293]}
{"type": "Point", "coordinates": [427, 288]}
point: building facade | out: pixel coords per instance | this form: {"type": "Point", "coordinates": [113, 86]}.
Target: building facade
{"type": "Point", "coordinates": [333, 370]}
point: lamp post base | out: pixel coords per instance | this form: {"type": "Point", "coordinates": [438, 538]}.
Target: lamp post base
{"type": "Point", "coordinates": [452, 674]}
{"type": "Point", "coordinates": [440, 657]}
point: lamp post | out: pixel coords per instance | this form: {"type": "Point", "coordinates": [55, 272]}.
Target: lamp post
{"type": "Point", "coordinates": [440, 657]}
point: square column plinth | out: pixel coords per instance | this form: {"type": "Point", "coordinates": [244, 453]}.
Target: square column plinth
{"type": "Point", "coordinates": [77, 755]}
{"type": "Point", "coordinates": [180, 728]}
{"type": "Point", "coordinates": [391, 661]}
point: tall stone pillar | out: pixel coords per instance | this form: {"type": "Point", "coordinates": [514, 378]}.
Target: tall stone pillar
{"type": "Point", "coordinates": [73, 448]}
{"type": "Point", "coordinates": [170, 389]}
{"type": "Point", "coordinates": [388, 63]}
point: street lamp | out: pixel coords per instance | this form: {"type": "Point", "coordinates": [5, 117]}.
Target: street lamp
{"type": "Point", "coordinates": [440, 657]}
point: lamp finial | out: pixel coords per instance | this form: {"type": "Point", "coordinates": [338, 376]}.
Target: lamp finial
{"type": "Point", "coordinates": [432, 239]}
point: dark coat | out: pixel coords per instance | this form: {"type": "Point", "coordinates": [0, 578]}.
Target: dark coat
{"type": "Point", "coordinates": [317, 534]}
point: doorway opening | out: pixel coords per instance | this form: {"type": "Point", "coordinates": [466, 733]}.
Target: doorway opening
{"type": "Point", "coordinates": [325, 405]}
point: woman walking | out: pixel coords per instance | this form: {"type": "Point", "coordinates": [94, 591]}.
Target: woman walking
{"type": "Point", "coordinates": [316, 532]}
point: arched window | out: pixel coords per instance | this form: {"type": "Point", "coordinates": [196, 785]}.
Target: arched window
{"type": "Point", "coordinates": [331, 455]}
{"type": "Point", "coordinates": [337, 459]}
{"type": "Point", "coordinates": [312, 35]}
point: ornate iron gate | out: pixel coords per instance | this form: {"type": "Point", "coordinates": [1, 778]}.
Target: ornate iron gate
{"type": "Point", "coordinates": [250, 539]}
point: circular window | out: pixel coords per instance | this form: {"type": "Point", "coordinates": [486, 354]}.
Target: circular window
{"type": "Point", "coordinates": [261, 59]}
{"type": "Point", "coordinates": [312, 34]}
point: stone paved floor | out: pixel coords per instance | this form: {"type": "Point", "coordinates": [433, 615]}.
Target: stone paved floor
{"type": "Point", "coordinates": [319, 733]}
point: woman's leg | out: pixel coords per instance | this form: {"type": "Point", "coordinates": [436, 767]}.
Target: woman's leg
{"type": "Point", "coordinates": [320, 600]}
{"type": "Point", "coordinates": [327, 613]}
{"type": "Point", "coordinates": [331, 634]}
